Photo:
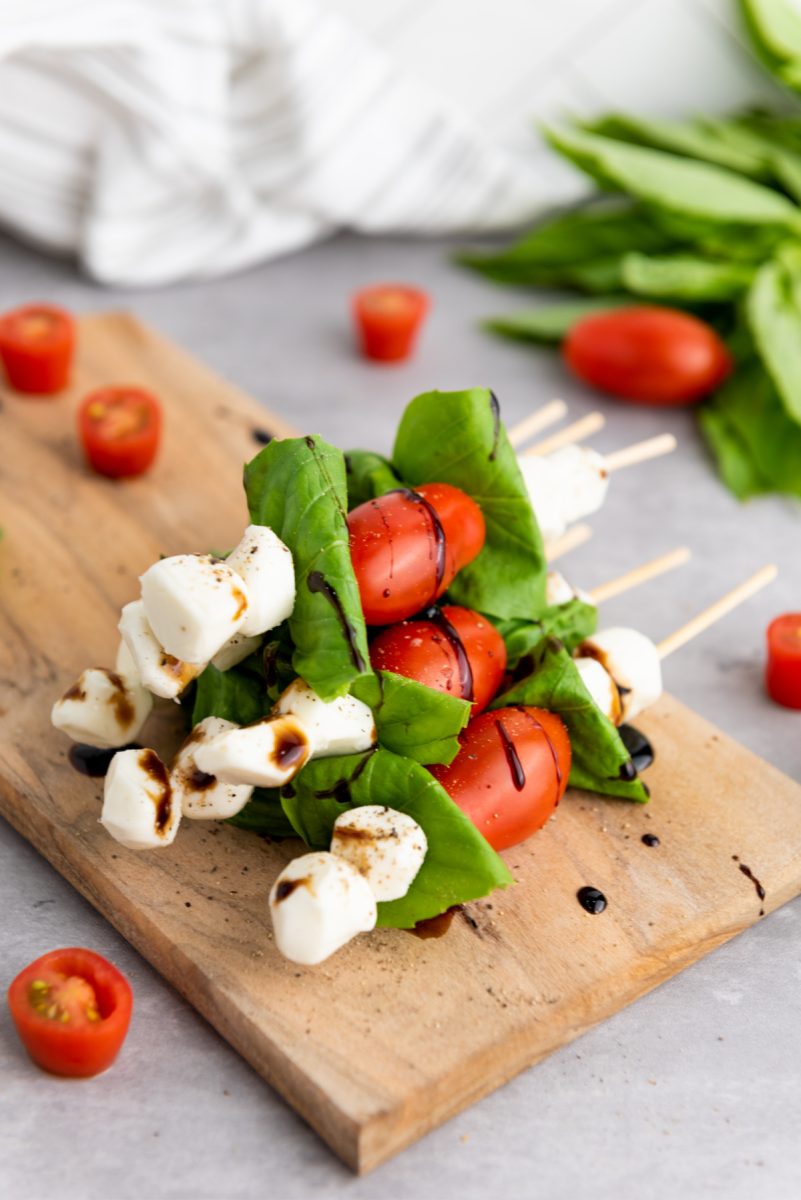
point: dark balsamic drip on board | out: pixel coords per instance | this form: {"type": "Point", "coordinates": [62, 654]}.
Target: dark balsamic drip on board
{"type": "Point", "coordinates": [262, 436]}
{"type": "Point", "coordinates": [92, 761]}
{"type": "Point", "coordinates": [436, 927]}
{"type": "Point", "coordinates": [341, 789]}
{"type": "Point", "coordinates": [437, 617]}
{"type": "Point", "coordinates": [749, 874]}
{"type": "Point", "coordinates": [496, 425]}
{"type": "Point", "coordinates": [512, 757]}
{"type": "Point", "coordinates": [650, 839]}
{"type": "Point", "coordinates": [317, 582]}
{"type": "Point", "coordinates": [641, 751]}
{"type": "Point", "coordinates": [437, 534]}
{"type": "Point", "coordinates": [591, 900]}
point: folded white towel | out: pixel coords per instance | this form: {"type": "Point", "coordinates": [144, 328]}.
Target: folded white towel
{"type": "Point", "coordinates": [166, 139]}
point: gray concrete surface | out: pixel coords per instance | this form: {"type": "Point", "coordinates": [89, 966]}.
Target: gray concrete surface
{"type": "Point", "coordinates": [693, 1091]}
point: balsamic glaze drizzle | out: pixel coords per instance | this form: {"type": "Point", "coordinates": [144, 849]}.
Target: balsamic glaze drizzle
{"type": "Point", "coordinates": [437, 617]}
{"type": "Point", "coordinates": [512, 757]}
{"type": "Point", "coordinates": [496, 425]}
{"type": "Point", "coordinates": [650, 839]}
{"type": "Point", "coordinates": [92, 761]}
{"type": "Point", "coordinates": [262, 436]}
{"type": "Point", "coordinates": [341, 789]}
{"type": "Point", "coordinates": [317, 582]}
{"type": "Point", "coordinates": [641, 751]}
{"type": "Point", "coordinates": [591, 900]}
{"type": "Point", "coordinates": [437, 535]}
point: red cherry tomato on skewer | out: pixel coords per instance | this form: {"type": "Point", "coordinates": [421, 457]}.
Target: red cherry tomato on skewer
{"type": "Point", "coordinates": [457, 652]}
{"type": "Point", "coordinates": [36, 345]}
{"type": "Point", "coordinates": [783, 670]}
{"type": "Point", "coordinates": [71, 1009]}
{"type": "Point", "coordinates": [388, 318]}
{"type": "Point", "coordinates": [120, 428]}
{"type": "Point", "coordinates": [653, 355]}
{"type": "Point", "coordinates": [510, 773]}
{"type": "Point", "coordinates": [406, 547]}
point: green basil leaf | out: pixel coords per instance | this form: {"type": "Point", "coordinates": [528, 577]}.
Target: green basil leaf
{"type": "Point", "coordinates": [706, 141]}
{"type": "Point", "coordinates": [264, 814]}
{"type": "Point", "coordinates": [704, 194]}
{"type": "Point", "coordinates": [457, 438]}
{"type": "Point", "coordinates": [579, 248]}
{"type": "Point", "coordinates": [368, 475]}
{"type": "Point", "coordinates": [297, 487]}
{"type": "Point", "coordinates": [570, 623]}
{"type": "Point", "coordinates": [735, 463]}
{"type": "Point", "coordinates": [239, 694]}
{"type": "Point", "coordinates": [459, 865]}
{"type": "Point", "coordinates": [773, 310]}
{"type": "Point", "coordinates": [600, 760]}
{"type": "Point", "coordinates": [414, 720]}
{"type": "Point", "coordinates": [775, 28]}
{"type": "Point", "coordinates": [550, 323]}
{"type": "Point", "coordinates": [685, 278]}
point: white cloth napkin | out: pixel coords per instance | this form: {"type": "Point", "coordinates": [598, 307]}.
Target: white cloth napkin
{"type": "Point", "coordinates": [168, 139]}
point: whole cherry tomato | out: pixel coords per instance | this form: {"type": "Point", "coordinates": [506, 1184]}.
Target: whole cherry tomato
{"type": "Point", "coordinates": [454, 650]}
{"type": "Point", "coordinates": [510, 773]}
{"type": "Point", "coordinates": [388, 318]}
{"type": "Point", "coordinates": [656, 356]}
{"type": "Point", "coordinates": [72, 1009]}
{"type": "Point", "coordinates": [36, 345]}
{"type": "Point", "coordinates": [406, 547]}
{"type": "Point", "coordinates": [120, 428]}
{"type": "Point", "coordinates": [783, 670]}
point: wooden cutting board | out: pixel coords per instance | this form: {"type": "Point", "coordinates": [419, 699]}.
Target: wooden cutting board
{"type": "Point", "coordinates": [394, 1034]}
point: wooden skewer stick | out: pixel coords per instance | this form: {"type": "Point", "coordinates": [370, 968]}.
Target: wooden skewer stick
{"type": "Point", "coordinates": [717, 610]}
{"type": "Point", "coordinates": [536, 421]}
{"type": "Point", "coordinates": [640, 452]}
{"type": "Point", "coordinates": [577, 432]}
{"type": "Point", "coordinates": [632, 579]}
{"type": "Point", "coordinates": [574, 537]}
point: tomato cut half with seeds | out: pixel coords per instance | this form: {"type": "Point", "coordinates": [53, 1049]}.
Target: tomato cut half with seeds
{"type": "Point", "coordinates": [72, 1009]}
{"type": "Point", "coordinates": [120, 428]}
{"type": "Point", "coordinates": [37, 343]}
{"type": "Point", "coordinates": [388, 319]}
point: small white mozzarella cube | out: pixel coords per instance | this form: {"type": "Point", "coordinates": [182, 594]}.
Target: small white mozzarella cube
{"type": "Point", "coordinates": [124, 664]}
{"type": "Point", "coordinates": [161, 673]}
{"type": "Point", "coordinates": [266, 566]}
{"type": "Point", "coordinates": [601, 686]}
{"type": "Point", "coordinates": [543, 483]}
{"type": "Point", "coordinates": [102, 709]}
{"type": "Point", "coordinates": [342, 726]}
{"type": "Point", "coordinates": [632, 660]}
{"type": "Point", "coordinates": [317, 904]}
{"type": "Point", "coordinates": [582, 481]}
{"type": "Point", "coordinates": [235, 651]}
{"type": "Point", "coordinates": [200, 795]}
{"type": "Point", "coordinates": [267, 753]}
{"type": "Point", "coordinates": [385, 846]}
{"type": "Point", "coordinates": [195, 604]}
{"type": "Point", "coordinates": [139, 808]}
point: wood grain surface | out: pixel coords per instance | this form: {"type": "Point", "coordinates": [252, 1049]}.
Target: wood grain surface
{"type": "Point", "coordinates": [394, 1034]}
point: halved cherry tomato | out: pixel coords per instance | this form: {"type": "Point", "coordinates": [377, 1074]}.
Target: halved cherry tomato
{"type": "Point", "coordinates": [653, 355]}
{"type": "Point", "coordinates": [72, 1009]}
{"type": "Point", "coordinates": [783, 670]}
{"type": "Point", "coordinates": [454, 650]}
{"type": "Point", "coordinates": [36, 345]}
{"type": "Point", "coordinates": [388, 318]}
{"type": "Point", "coordinates": [406, 547]}
{"type": "Point", "coordinates": [510, 773]}
{"type": "Point", "coordinates": [120, 428]}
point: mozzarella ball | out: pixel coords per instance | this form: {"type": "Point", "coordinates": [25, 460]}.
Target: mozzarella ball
{"type": "Point", "coordinates": [342, 726]}
{"type": "Point", "coordinates": [557, 590]}
{"type": "Point", "coordinates": [201, 796]}
{"type": "Point", "coordinates": [317, 904]}
{"type": "Point", "coordinates": [102, 709]}
{"type": "Point", "coordinates": [139, 809]}
{"type": "Point", "coordinates": [632, 660]}
{"type": "Point", "coordinates": [266, 566]}
{"type": "Point", "coordinates": [385, 846]}
{"type": "Point", "coordinates": [582, 480]}
{"type": "Point", "coordinates": [267, 753]}
{"type": "Point", "coordinates": [543, 483]}
{"type": "Point", "coordinates": [124, 664]}
{"type": "Point", "coordinates": [601, 686]}
{"type": "Point", "coordinates": [235, 651]}
{"type": "Point", "coordinates": [195, 604]}
{"type": "Point", "coordinates": [160, 672]}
